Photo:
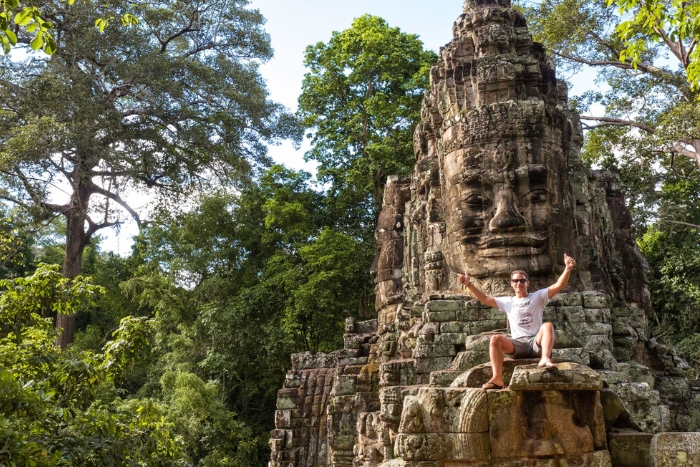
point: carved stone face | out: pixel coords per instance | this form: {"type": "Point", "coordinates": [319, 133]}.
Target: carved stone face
{"type": "Point", "coordinates": [499, 207]}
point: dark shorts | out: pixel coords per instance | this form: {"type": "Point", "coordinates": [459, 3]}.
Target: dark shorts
{"type": "Point", "coordinates": [525, 347]}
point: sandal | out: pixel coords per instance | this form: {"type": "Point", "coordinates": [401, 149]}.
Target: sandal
{"type": "Point", "coordinates": [491, 385]}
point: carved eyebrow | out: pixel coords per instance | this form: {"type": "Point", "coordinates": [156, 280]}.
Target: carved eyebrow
{"type": "Point", "coordinates": [527, 171]}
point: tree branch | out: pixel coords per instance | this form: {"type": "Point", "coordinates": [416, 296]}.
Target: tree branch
{"type": "Point", "coordinates": [185, 30]}
{"type": "Point", "coordinates": [36, 198]}
{"type": "Point", "coordinates": [672, 46]}
{"type": "Point", "coordinates": [645, 67]}
{"type": "Point", "coordinates": [114, 197]}
{"type": "Point", "coordinates": [681, 223]}
{"type": "Point", "coordinates": [93, 227]}
{"type": "Point", "coordinates": [607, 121]}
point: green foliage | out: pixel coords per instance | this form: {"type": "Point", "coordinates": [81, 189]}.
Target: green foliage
{"type": "Point", "coordinates": [361, 101]}
{"type": "Point", "coordinates": [176, 105]}
{"type": "Point", "coordinates": [25, 302]}
{"type": "Point", "coordinates": [61, 408]}
{"type": "Point", "coordinates": [660, 21]}
{"type": "Point", "coordinates": [28, 20]}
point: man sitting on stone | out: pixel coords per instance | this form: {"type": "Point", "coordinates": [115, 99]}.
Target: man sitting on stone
{"type": "Point", "coordinates": [529, 336]}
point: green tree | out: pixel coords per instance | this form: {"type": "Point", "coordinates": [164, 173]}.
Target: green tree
{"type": "Point", "coordinates": [360, 102]}
{"type": "Point", "coordinates": [175, 103]}
{"type": "Point", "coordinates": [646, 59]}
{"type": "Point", "coordinates": [61, 408]}
{"type": "Point", "coordinates": [22, 23]}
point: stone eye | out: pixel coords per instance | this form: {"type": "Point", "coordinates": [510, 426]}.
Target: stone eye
{"type": "Point", "coordinates": [536, 197]}
{"type": "Point", "coordinates": [476, 201]}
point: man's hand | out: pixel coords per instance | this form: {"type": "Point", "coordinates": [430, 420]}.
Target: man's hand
{"type": "Point", "coordinates": [464, 280]}
{"type": "Point", "coordinates": [569, 262]}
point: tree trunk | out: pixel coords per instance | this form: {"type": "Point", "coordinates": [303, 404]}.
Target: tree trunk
{"type": "Point", "coordinates": [76, 241]}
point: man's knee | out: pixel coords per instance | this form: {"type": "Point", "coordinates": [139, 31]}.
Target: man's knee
{"type": "Point", "coordinates": [547, 327]}
{"type": "Point", "coordinates": [501, 343]}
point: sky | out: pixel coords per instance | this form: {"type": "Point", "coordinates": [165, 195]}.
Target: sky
{"type": "Point", "coordinates": [295, 24]}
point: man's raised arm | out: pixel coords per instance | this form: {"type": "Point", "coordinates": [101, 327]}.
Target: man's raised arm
{"type": "Point", "coordinates": [478, 294]}
{"type": "Point", "coordinates": [555, 288]}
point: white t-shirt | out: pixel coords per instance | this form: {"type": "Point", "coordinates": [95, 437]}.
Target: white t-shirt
{"type": "Point", "coordinates": [524, 314]}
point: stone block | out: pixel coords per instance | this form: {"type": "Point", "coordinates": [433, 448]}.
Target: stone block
{"type": "Point", "coordinates": [363, 327]}
{"type": "Point", "coordinates": [597, 342]}
{"type": "Point", "coordinates": [589, 329]}
{"type": "Point", "coordinates": [493, 314]}
{"type": "Point", "coordinates": [551, 313]}
{"type": "Point", "coordinates": [444, 305]}
{"type": "Point", "coordinates": [673, 389]}
{"type": "Point", "coordinates": [573, 314]}
{"type": "Point", "coordinates": [565, 340]}
{"type": "Point", "coordinates": [454, 327]}
{"type": "Point", "coordinates": [473, 412]}
{"type": "Point", "coordinates": [578, 355]}
{"type": "Point", "coordinates": [622, 355]}
{"type": "Point", "coordinates": [286, 399]}
{"type": "Point", "coordinates": [568, 377]}
{"type": "Point", "coordinates": [675, 450]}
{"type": "Point", "coordinates": [443, 378]}
{"type": "Point", "coordinates": [428, 365]}
{"type": "Point", "coordinates": [477, 327]}
{"type": "Point", "coordinates": [344, 385]}
{"type": "Point", "coordinates": [434, 350]}
{"type": "Point", "coordinates": [397, 373]}
{"type": "Point", "coordinates": [308, 360]}
{"type": "Point", "coordinates": [469, 359]}
{"type": "Point", "coordinates": [344, 361]}
{"type": "Point", "coordinates": [614, 376]}
{"type": "Point", "coordinates": [595, 300]}
{"type": "Point", "coordinates": [634, 392]}
{"type": "Point", "coordinates": [593, 315]}
{"type": "Point", "coordinates": [470, 314]}
{"type": "Point", "coordinates": [283, 418]}
{"type": "Point", "coordinates": [630, 449]}
{"type": "Point", "coordinates": [567, 299]}
{"type": "Point", "coordinates": [451, 338]}
{"type": "Point", "coordinates": [465, 447]}
{"type": "Point", "coordinates": [538, 424]}
{"type": "Point", "coordinates": [439, 316]}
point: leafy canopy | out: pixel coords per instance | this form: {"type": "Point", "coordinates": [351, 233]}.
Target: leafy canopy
{"type": "Point", "coordinates": [360, 102]}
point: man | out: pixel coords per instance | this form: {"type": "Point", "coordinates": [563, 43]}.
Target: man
{"type": "Point", "coordinates": [529, 336]}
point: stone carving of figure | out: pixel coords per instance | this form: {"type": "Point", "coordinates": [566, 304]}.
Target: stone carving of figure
{"type": "Point", "coordinates": [412, 416]}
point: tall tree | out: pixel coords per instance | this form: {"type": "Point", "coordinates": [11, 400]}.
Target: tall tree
{"type": "Point", "coordinates": [361, 101]}
{"type": "Point", "coordinates": [176, 102]}
{"type": "Point", "coordinates": [645, 54]}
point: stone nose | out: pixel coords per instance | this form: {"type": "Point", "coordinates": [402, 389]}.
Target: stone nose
{"type": "Point", "coordinates": [507, 218]}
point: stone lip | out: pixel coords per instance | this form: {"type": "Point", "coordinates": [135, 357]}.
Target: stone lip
{"type": "Point", "coordinates": [568, 377]}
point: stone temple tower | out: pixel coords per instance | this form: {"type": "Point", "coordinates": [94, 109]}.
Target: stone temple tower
{"type": "Point", "coordinates": [498, 185]}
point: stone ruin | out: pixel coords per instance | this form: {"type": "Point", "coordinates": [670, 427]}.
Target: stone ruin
{"type": "Point", "coordinates": [498, 185]}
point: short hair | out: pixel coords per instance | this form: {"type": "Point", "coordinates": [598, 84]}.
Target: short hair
{"type": "Point", "coordinates": [520, 272]}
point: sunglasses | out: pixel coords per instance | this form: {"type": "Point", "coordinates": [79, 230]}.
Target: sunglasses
{"type": "Point", "coordinates": [519, 281]}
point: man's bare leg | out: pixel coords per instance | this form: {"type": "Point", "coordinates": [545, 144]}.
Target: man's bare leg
{"type": "Point", "coordinates": [545, 341]}
{"type": "Point", "coordinates": [497, 347]}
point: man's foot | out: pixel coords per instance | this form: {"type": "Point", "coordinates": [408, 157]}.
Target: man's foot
{"type": "Point", "coordinates": [547, 365]}
{"type": "Point", "coordinates": [492, 385]}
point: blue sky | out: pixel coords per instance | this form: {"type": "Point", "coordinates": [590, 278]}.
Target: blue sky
{"type": "Point", "coordinates": [294, 24]}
